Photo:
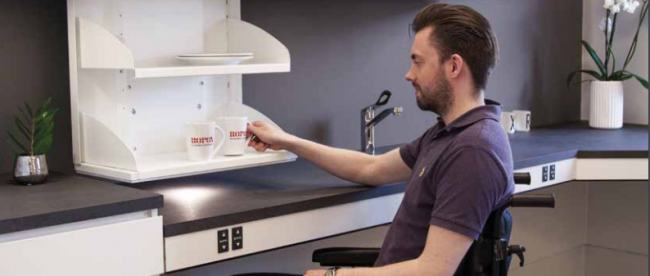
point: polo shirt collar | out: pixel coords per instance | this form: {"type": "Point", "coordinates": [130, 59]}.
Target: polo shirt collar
{"type": "Point", "coordinates": [491, 110]}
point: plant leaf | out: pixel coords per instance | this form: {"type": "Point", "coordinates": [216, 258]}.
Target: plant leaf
{"type": "Point", "coordinates": [43, 132]}
{"type": "Point", "coordinates": [595, 57]}
{"type": "Point", "coordinates": [27, 118]}
{"type": "Point", "coordinates": [29, 109]}
{"type": "Point", "coordinates": [23, 129]}
{"type": "Point", "coordinates": [620, 76]}
{"type": "Point", "coordinates": [43, 146]}
{"type": "Point", "coordinates": [45, 105]}
{"type": "Point", "coordinates": [590, 72]}
{"type": "Point", "coordinates": [643, 81]}
{"type": "Point", "coordinates": [16, 150]}
{"type": "Point", "coordinates": [46, 117]}
{"type": "Point", "coordinates": [18, 143]}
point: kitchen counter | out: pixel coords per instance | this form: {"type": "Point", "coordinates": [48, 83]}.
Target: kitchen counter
{"type": "Point", "coordinates": [217, 200]}
{"type": "Point", "coordinates": [66, 199]}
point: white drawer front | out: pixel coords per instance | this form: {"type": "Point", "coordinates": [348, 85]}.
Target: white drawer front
{"type": "Point", "coordinates": [133, 248]}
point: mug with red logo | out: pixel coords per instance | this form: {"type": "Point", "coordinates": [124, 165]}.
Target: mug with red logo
{"type": "Point", "coordinates": [201, 139]}
{"type": "Point", "coordinates": [235, 129]}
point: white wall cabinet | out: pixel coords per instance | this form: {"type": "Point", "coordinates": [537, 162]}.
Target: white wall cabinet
{"type": "Point", "coordinates": [131, 97]}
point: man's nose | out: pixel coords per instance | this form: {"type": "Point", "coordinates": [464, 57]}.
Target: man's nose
{"type": "Point", "coordinates": [409, 75]}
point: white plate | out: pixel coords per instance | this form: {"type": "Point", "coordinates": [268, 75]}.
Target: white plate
{"type": "Point", "coordinates": [214, 59]}
{"type": "Point", "coordinates": [217, 55]}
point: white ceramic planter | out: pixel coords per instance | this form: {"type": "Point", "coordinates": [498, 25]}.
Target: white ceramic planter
{"type": "Point", "coordinates": [606, 105]}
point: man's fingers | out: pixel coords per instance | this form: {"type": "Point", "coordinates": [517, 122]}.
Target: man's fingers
{"type": "Point", "coordinates": [260, 147]}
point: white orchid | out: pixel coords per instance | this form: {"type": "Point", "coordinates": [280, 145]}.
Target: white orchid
{"type": "Point", "coordinates": [608, 26]}
{"type": "Point", "coordinates": [602, 24]}
{"type": "Point", "coordinates": [630, 6]}
{"type": "Point", "coordinates": [615, 6]}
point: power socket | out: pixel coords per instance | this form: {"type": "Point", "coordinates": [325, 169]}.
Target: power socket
{"type": "Point", "coordinates": [545, 174]}
{"type": "Point", "coordinates": [237, 238]}
{"type": "Point", "coordinates": [552, 173]}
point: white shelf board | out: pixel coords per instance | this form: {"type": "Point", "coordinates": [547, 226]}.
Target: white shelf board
{"type": "Point", "coordinates": [183, 71]}
{"type": "Point", "coordinates": [172, 165]}
{"type": "Point", "coordinates": [100, 49]}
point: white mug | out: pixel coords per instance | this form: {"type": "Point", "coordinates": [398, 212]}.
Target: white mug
{"type": "Point", "coordinates": [235, 129]}
{"type": "Point", "coordinates": [508, 122]}
{"type": "Point", "coordinates": [200, 140]}
{"type": "Point", "coordinates": [522, 120]}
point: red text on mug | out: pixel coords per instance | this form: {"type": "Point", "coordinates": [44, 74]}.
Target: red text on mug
{"type": "Point", "coordinates": [202, 140]}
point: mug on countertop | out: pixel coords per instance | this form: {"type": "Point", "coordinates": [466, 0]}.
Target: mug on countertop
{"type": "Point", "coordinates": [508, 122]}
{"type": "Point", "coordinates": [522, 120]}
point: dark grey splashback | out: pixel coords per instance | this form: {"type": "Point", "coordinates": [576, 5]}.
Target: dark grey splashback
{"type": "Point", "coordinates": [344, 53]}
{"type": "Point", "coordinates": [33, 66]}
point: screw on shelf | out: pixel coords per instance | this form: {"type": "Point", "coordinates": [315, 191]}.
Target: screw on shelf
{"type": "Point", "coordinates": [198, 106]}
{"type": "Point", "coordinates": [202, 83]}
{"type": "Point", "coordinates": [129, 86]}
{"type": "Point", "coordinates": [121, 71]}
{"type": "Point", "coordinates": [133, 111]}
{"type": "Point", "coordinates": [135, 149]}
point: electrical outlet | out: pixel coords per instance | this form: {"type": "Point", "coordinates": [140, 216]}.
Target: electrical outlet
{"type": "Point", "coordinates": [237, 238]}
{"type": "Point", "coordinates": [544, 173]}
{"type": "Point", "coordinates": [552, 173]}
{"type": "Point", "coordinates": [222, 241]}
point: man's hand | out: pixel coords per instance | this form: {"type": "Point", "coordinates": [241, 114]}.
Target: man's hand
{"type": "Point", "coordinates": [270, 137]}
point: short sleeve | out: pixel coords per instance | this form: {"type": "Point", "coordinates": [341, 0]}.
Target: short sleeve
{"type": "Point", "coordinates": [469, 186]}
{"type": "Point", "coordinates": [409, 152]}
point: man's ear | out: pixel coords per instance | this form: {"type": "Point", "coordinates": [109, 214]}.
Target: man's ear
{"type": "Point", "coordinates": [457, 64]}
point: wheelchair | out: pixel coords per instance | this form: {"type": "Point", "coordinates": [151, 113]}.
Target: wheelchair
{"type": "Point", "coordinates": [489, 255]}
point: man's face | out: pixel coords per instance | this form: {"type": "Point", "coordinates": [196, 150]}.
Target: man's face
{"type": "Point", "coordinates": [432, 89]}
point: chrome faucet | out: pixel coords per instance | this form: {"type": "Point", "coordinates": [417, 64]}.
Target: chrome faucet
{"type": "Point", "coordinates": [369, 121]}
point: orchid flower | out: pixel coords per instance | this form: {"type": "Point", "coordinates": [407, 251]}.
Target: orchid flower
{"type": "Point", "coordinates": [602, 24]}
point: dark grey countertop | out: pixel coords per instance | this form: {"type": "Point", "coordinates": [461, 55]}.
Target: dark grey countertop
{"type": "Point", "coordinates": [560, 142]}
{"type": "Point", "coordinates": [65, 199]}
{"type": "Point", "coordinates": [229, 198]}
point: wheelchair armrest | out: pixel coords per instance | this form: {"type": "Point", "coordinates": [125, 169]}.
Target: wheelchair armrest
{"type": "Point", "coordinates": [346, 256]}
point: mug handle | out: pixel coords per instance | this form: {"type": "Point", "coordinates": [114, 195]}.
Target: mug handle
{"type": "Point", "coordinates": [223, 138]}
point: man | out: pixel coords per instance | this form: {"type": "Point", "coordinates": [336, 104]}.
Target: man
{"type": "Point", "coordinates": [458, 171]}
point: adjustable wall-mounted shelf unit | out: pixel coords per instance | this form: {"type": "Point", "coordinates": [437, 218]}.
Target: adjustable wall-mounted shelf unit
{"type": "Point", "coordinates": [131, 97]}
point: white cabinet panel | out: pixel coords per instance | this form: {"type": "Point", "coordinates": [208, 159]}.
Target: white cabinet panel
{"type": "Point", "coordinates": [130, 248]}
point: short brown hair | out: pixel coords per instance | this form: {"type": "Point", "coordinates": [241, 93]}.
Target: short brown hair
{"type": "Point", "coordinates": [461, 30]}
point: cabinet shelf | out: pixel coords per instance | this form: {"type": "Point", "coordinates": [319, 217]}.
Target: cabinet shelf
{"type": "Point", "coordinates": [162, 166]}
{"type": "Point", "coordinates": [184, 71]}
{"type": "Point", "coordinates": [100, 49]}
{"type": "Point", "coordinates": [106, 155]}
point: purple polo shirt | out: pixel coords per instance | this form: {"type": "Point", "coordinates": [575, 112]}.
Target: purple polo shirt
{"type": "Point", "coordinates": [461, 173]}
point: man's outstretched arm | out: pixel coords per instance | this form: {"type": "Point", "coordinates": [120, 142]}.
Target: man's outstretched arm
{"type": "Point", "coordinates": [350, 165]}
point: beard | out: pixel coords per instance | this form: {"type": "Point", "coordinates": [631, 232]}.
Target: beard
{"type": "Point", "coordinates": [437, 99]}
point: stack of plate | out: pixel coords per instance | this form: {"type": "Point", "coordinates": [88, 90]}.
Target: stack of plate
{"type": "Point", "coordinates": [215, 59]}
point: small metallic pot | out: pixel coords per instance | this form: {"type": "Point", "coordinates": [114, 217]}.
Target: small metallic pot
{"type": "Point", "coordinates": [30, 170]}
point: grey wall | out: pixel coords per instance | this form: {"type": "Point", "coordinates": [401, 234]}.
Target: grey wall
{"type": "Point", "coordinates": [344, 53]}
{"type": "Point", "coordinates": [34, 65]}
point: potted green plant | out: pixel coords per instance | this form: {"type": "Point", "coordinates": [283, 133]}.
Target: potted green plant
{"type": "Point", "coordinates": [35, 129]}
{"type": "Point", "coordinates": [606, 103]}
